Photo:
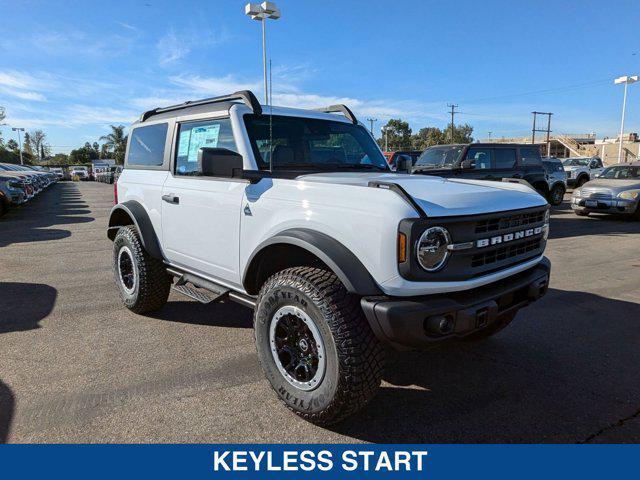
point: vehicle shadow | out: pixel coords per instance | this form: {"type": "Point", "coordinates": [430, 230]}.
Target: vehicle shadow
{"type": "Point", "coordinates": [7, 406]}
{"type": "Point", "coordinates": [23, 305]}
{"type": "Point", "coordinates": [59, 205]}
{"type": "Point", "coordinates": [224, 314]}
{"type": "Point", "coordinates": [564, 223]}
{"type": "Point", "coordinates": [546, 378]}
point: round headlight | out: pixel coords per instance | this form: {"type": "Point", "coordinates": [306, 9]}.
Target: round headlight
{"type": "Point", "coordinates": [431, 249]}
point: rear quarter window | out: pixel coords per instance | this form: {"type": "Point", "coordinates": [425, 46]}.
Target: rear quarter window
{"type": "Point", "coordinates": [530, 156]}
{"type": "Point", "coordinates": [146, 148]}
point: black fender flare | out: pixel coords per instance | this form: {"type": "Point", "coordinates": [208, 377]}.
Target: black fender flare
{"type": "Point", "coordinates": [140, 218]}
{"type": "Point", "coordinates": [344, 263]}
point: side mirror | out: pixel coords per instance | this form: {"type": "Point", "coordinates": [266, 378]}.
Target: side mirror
{"type": "Point", "coordinates": [468, 163]}
{"type": "Point", "coordinates": [219, 162]}
{"type": "Point", "coordinates": [403, 164]}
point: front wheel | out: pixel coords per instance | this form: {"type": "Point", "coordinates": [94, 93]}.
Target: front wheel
{"type": "Point", "coordinates": [315, 345]}
{"type": "Point", "coordinates": [582, 180]}
{"type": "Point", "coordinates": [557, 195]}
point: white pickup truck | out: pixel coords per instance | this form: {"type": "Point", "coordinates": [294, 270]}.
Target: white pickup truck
{"type": "Point", "coordinates": [296, 214]}
{"type": "Point", "coordinates": [582, 169]}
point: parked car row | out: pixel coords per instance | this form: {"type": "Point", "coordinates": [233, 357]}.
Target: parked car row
{"type": "Point", "coordinates": [107, 174]}
{"type": "Point", "coordinates": [20, 183]}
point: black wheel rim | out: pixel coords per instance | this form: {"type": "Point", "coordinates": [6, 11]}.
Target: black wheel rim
{"type": "Point", "coordinates": [126, 269]}
{"type": "Point", "coordinates": [297, 348]}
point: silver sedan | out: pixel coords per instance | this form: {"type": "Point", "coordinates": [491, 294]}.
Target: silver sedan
{"type": "Point", "coordinates": [616, 190]}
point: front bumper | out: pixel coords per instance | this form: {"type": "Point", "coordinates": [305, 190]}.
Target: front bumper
{"type": "Point", "coordinates": [408, 322]}
{"type": "Point", "coordinates": [600, 205]}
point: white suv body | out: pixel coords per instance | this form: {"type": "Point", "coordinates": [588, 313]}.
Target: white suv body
{"type": "Point", "coordinates": [239, 234]}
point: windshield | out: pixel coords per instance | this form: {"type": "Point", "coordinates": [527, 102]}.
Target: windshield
{"type": "Point", "coordinates": [621, 173]}
{"type": "Point", "coordinates": [576, 162]}
{"type": "Point", "coordinates": [439, 157]}
{"type": "Point", "coordinates": [301, 143]}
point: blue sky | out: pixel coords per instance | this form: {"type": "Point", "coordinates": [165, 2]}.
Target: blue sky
{"type": "Point", "coordinates": [74, 67]}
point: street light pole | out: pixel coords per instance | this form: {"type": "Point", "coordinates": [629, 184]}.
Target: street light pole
{"type": "Point", "coordinates": [626, 79]}
{"type": "Point", "coordinates": [262, 12]}
{"type": "Point", "coordinates": [371, 120]}
{"type": "Point", "coordinates": [19, 129]}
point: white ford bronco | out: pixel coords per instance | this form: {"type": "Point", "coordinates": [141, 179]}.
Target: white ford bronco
{"type": "Point", "coordinates": [295, 214]}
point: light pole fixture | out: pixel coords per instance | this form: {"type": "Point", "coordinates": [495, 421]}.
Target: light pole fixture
{"type": "Point", "coordinates": [627, 80]}
{"type": "Point", "coordinates": [384, 129]}
{"type": "Point", "coordinates": [19, 129]}
{"type": "Point", "coordinates": [262, 12]}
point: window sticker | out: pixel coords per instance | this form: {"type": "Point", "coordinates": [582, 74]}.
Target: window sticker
{"type": "Point", "coordinates": [205, 136]}
{"type": "Point", "coordinates": [183, 143]}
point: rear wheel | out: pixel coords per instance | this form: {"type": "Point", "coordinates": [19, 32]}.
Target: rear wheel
{"type": "Point", "coordinates": [142, 280]}
{"type": "Point", "coordinates": [557, 195]}
{"type": "Point", "coordinates": [582, 180]}
{"type": "Point", "coordinates": [315, 345]}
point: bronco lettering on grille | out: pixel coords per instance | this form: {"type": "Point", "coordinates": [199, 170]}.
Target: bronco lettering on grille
{"type": "Point", "coordinates": [485, 242]}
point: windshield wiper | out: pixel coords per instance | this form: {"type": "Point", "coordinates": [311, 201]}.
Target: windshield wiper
{"type": "Point", "coordinates": [354, 166]}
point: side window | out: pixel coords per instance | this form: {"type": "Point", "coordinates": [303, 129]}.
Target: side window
{"type": "Point", "coordinates": [530, 156]}
{"type": "Point", "coordinates": [194, 135]}
{"type": "Point", "coordinates": [504, 157]}
{"type": "Point", "coordinates": [147, 146]}
{"type": "Point", "coordinates": [480, 156]}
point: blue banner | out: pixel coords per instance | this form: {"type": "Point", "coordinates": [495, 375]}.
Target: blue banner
{"type": "Point", "coordinates": [319, 461]}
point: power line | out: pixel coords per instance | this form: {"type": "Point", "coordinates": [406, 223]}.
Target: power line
{"type": "Point", "coordinates": [564, 88]}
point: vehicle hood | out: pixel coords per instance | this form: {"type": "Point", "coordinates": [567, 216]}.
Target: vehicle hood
{"type": "Point", "coordinates": [616, 186]}
{"type": "Point", "coordinates": [442, 196]}
{"type": "Point", "coordinates": [572, 168]}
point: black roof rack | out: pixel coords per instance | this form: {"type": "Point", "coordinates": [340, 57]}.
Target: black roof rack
{"type": "Point", "coordinates": [339, 108]}
{"type": "Point", "coordinates": [246, 96]}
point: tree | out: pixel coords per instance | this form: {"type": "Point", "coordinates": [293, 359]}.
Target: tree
{"type": "Point", "coordinates": [397, 135]}
{"type": "Point", "coordinates": [12, 145]}
{"type": "Point", "coordinates": [426, 137]}
{"type": "Point", "coordinates": [37, 141]}
{"type": "Point", "coordinates": [83, 155]}
{"type": "Point", "coordinates": [461, 133]}
{"type": "Point", "coordinates": [96, 147]}
{"type": "Point", "coordinates": [26, 144]}
{"type": "Point", "coordinates": [59, 159]}
{"type": "Point", "coordinates": [117, 142]}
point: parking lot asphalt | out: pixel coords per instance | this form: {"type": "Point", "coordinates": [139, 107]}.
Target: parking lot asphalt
{"type": "Point", "coordinates": [76, 366]}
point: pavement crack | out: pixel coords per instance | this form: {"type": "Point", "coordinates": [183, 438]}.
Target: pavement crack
{"type": "Point", "coordinates": [613, 426]}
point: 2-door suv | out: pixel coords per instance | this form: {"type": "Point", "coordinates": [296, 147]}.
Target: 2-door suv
{"type": "Point", "coordinates": [296, 214]}
{"type": "Point", "coordinates": [582, 169]}
{"type": "Point", "coordinates": [556, 179]}
{"type": "Point", "coordinates": [486, 161]}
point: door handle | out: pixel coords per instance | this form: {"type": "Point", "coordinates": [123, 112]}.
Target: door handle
{"type": "Point", "coordinates": [171, 199]}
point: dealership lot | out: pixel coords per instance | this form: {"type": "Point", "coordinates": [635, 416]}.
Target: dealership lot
{"type": "Point", "coordinates": [76, 366]}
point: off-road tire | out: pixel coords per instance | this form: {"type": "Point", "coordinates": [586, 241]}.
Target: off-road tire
{"type": "Point", "coordinates": [354, 356]}
{"type": "Point", "coordinates": [556, 196]}
{"type": "Point", "coordinates": [152, 283]}
{"type": "Point", "coordinates": [491, 330]}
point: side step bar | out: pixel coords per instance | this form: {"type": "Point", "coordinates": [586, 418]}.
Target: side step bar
{"type": "Point", "coordinates": [214, 292]}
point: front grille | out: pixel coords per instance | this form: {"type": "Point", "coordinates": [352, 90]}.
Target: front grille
{"type": "Point", "coordinates": [595, 193]}
{"type": "Point", "coordinates": [490, 242]}
{"type": "Point", "coordinates": [511, 221]}
{"type": "Point", "coordinates": [504, 253]}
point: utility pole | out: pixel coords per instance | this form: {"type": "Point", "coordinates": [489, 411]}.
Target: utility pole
{"type": "Point", "coordinates": [490, 135]}
{"type": "Point", "coordinates": [547, 130]}
{"type": "Point", "coordinates": [371, 120]}
{"type": "Point", "coordinates": [19, 129]}
{"type": "Point", "coordinates": [453, 112]}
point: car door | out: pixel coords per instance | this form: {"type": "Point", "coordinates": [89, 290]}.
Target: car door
{"type": "Point", "coordinates": [480, 163]}
{"type": "Point", "coordinates": [201, 215]}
